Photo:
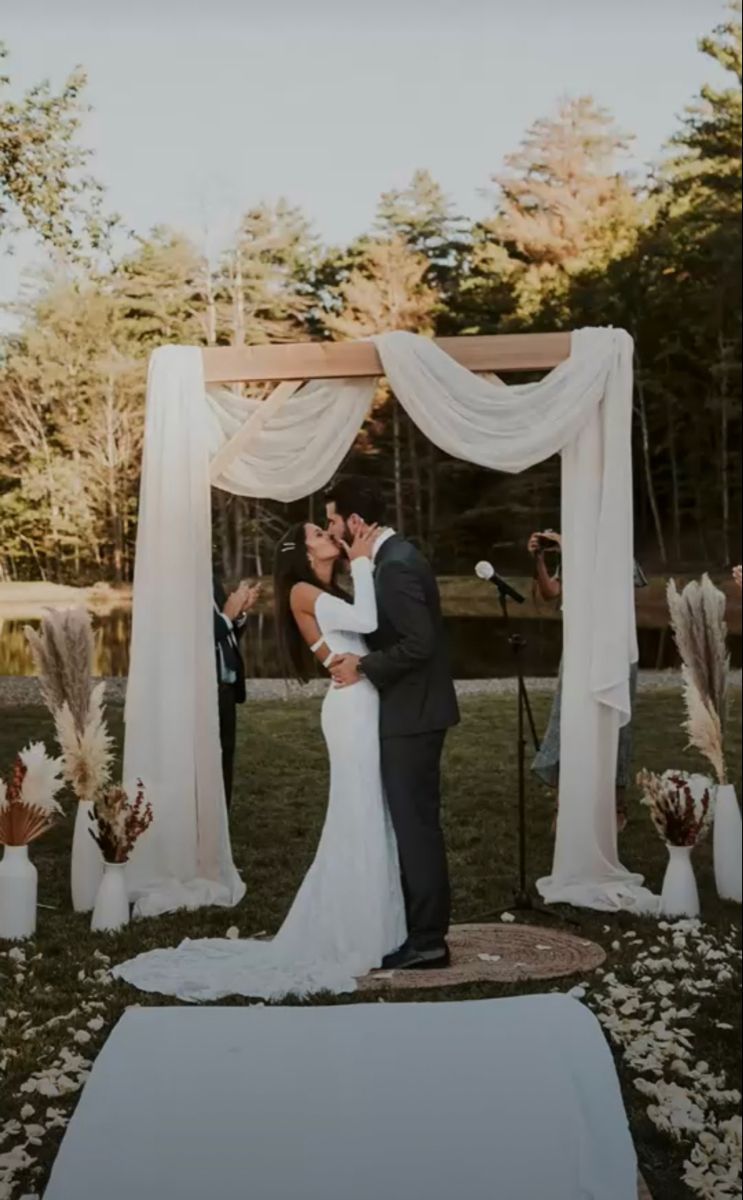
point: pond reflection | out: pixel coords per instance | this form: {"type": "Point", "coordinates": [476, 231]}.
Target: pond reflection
{"type": "Point", "coordinates": [479, 646]}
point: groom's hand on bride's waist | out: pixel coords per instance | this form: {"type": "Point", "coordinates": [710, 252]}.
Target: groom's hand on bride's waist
{"type": "Point", "coordinates": [344, 670]}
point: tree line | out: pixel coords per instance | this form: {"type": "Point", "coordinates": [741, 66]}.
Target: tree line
{"type": "Point", "coordinates": [571, 240]}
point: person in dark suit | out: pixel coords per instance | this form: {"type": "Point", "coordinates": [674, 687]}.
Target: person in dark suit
{"type": "Point", "coordinates": [230, 617]}
{"type": "Point", "coordinates": [408, 663]}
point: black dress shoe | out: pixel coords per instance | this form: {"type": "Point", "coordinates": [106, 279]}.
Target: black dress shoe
{"type": "Point", "coordinates": [407, 958]}
{"type": "Point", "coordinates": [390, 961]}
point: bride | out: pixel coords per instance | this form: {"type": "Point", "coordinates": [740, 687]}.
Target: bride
{"type": "Point", "coordinates": [349, 910]}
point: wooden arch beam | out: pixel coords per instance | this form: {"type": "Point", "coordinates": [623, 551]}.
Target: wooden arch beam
{"type": "Point", "coordinates": [346, 360]}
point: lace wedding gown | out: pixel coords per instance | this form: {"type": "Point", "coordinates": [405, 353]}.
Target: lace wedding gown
{"type": "Point", "coordinates": [349, 910]}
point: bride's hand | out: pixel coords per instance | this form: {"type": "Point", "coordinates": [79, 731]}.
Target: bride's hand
{"type": "Point", "coordinates": [362, 545]}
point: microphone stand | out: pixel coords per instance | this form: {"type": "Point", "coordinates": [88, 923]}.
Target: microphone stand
{"type": "Point", "coordinates": [523, 900]}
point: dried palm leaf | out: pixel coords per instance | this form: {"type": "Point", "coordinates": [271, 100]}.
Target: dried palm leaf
{"type": "Point", "coordinates": [27, 804]}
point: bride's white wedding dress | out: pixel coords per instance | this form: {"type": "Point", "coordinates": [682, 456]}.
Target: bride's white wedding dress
{"type": "Point", "coordinates": [349, 911]}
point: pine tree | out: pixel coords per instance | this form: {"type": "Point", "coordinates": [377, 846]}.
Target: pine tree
{"type": "Point", "coordinates": [387, 289]}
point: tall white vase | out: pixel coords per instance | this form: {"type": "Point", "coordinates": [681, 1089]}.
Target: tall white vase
{"type": "Point", "coordinates": [18, 890]}
{"type": "Point", "coordinates": [727, 844]}
{"type": "Point", "coordinates": [679, 897]}
{"type": "Point", "coordinates": [111, 910]}
{"type": "Point", "coordinates": [86, 865]}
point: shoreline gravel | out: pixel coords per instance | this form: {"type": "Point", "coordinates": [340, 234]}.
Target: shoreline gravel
{"type": "Point", "coordinates": [22, 690]}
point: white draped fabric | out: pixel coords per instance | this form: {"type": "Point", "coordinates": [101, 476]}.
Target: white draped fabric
{"type": "Point", "coordinates": [581, 410]}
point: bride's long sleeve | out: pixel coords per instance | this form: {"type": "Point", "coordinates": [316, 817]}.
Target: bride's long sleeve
{"type": "Point", "coordinates": [352, 616]}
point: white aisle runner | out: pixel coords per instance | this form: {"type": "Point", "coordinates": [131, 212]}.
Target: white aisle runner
{"type": "Point", "coordinates": [513, 1099]}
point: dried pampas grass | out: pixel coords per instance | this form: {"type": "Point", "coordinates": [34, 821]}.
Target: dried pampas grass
{"type": "Point", "coordinates": [700, 631]}
{"type": "Point", "coordinates": [63, 655]}
{"type": "Point", "coordinates": [699, 627]}
{"type": "Point", "coordinates": [87, 754]}
{"type": "Point", "coordinates": [704, 727]}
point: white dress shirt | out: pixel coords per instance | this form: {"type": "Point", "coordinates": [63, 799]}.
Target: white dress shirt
{"type": "Point", "coordinates": [384, 536]}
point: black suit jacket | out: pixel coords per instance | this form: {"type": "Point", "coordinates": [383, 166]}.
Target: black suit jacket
{"type": "Point", "coordinates": [233, 659]}
{"type": "Point", "coordinates": [409, 659]}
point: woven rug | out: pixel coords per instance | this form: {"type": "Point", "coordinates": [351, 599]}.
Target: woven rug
{"type": "Point", "coordinates": [500, 953]}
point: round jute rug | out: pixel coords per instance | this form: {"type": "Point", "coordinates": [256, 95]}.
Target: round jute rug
{"type": "Point", "coordinates": [501, 953]}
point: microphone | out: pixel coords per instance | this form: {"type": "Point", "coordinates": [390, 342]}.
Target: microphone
{"type": "Point", "coordinates": [486, 572]}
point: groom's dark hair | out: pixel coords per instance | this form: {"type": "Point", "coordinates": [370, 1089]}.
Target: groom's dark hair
{"type": "Point", "coordinates": [353, 494]}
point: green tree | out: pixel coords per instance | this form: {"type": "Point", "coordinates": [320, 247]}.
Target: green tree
{"type": "Point", "coordinates": [162, 288]}
{"type": "Point", "coordinates": [388, 289]}
{"type": "Point", "coordinates": [562, 205]}
{"type": "Point", "coordinates": [44, 185]}
{"type": "Point", "coordinates": [425, 218]}
{"type": "Point", "coordinates": [264, 281]}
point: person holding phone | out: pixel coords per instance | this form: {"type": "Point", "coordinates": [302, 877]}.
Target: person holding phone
{"type": "Point", "coordinates": [546, 764]}
{"type": "Point", "coordinates": [230, 619]}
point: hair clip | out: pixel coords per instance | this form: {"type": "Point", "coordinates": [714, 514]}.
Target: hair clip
{"type": "Point", "coordinates": [288, 546]}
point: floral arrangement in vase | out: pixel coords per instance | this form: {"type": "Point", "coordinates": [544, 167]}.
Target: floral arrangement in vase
{"type": "Point", "coordinates": [118, 823]}
{"type": "Point", "coordinates": [28, 808]}
{"type": "Point", "coordinates": [700, 630]}
{"type": "Point", "coordinates": [681, 808]}
{"type": "Point", "coordinates": [63, 654]}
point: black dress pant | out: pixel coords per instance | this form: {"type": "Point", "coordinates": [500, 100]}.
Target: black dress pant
{"type": "Point", "coordinates": [227, 732]}
{"type": "Point", "coordinates": [411, 772]}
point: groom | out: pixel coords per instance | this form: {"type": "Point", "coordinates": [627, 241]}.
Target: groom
{"type": "Point", "coordinates": [408, 665]}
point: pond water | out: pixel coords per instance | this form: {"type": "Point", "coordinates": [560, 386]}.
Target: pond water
{"type": "Point", "coordinates": [479, 647]}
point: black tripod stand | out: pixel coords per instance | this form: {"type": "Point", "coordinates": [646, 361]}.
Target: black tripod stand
{"type": "Point", "coordinates": [523, 900]}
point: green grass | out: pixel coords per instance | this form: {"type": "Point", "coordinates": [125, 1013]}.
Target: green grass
{"type": "Point", "coordinates": [281, 784]}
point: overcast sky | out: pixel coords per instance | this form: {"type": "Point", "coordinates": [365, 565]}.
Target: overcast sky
{"type": "Point", "coordinates": [200, 110]}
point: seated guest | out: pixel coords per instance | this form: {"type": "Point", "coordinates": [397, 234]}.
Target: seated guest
{"type": "Point", "coordinates": [230, 617]}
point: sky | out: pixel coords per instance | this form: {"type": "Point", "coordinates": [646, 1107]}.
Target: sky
{"type": "Point", "coordinates": [200, 110]}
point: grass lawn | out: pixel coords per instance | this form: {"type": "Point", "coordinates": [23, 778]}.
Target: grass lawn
{"type": "Point", "coordinates": [58, 1005]}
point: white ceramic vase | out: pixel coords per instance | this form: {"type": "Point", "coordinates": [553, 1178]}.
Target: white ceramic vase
{"type": "Point", "coordinates": [86, 865]}
{"type": "Point", "coordinates": [727, 844]}
{"type": "Point", "coordinates": [679, 897]}
{"type": "Point", "coordinates": [18, 890]}
{"type": "Point", "coordinates": [111, 911]}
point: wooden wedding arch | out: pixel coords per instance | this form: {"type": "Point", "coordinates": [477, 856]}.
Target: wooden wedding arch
{"type": "Point", "coordinates": [294, 363]}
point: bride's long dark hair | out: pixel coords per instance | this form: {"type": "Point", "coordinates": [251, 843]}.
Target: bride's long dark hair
{"type": "Point", "coordinates": [292, 565]}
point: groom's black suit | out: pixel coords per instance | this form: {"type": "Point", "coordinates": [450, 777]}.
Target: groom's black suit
{"type": "Point", "coordinates": [409, 666]}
